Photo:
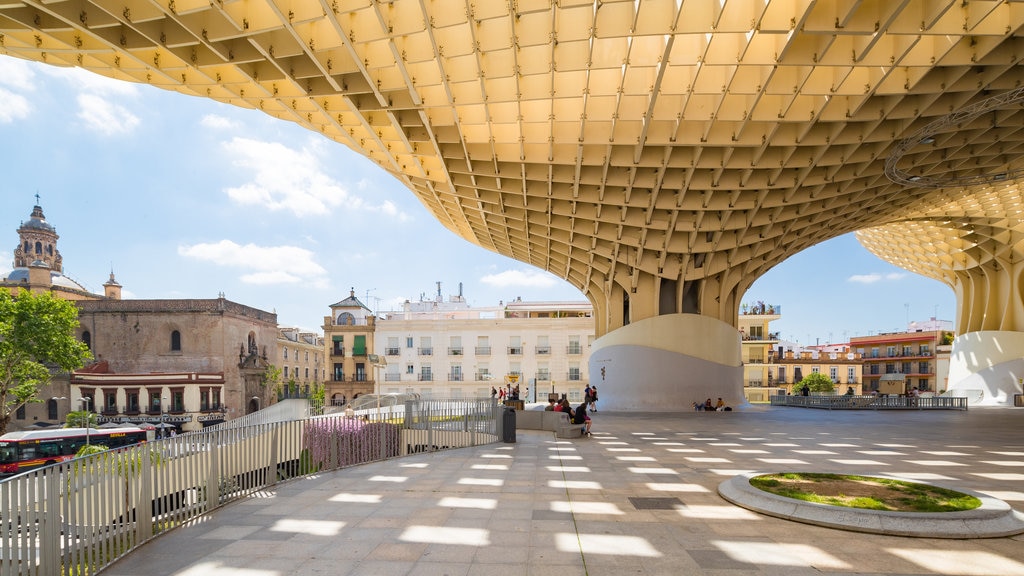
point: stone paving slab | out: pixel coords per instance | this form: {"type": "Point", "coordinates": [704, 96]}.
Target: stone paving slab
{"type": "Point", "coordinates": [639, 497]}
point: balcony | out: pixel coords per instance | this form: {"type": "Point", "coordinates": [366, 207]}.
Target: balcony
{"type": "Point", "coordinates": [574, 377]}
{"type": "Point", "coordinates": [340, 352]}
{"type": "Point", "coordinates": [515, 350]}
{"type": "Point", "coordinates": [392, 377]}
{"type": "Point", "coordinates": [425, 351]}
{"type": "Point", "coordinates": [542, 350]}
{"type": "Point", "coordinates": [455, 377]}
{"type": "Point", "coordinates": [483, 376]}
{"type": "Point", "coordinates": [391, 352]}
{"type": "Point", "coordinates": [428, 377]}
{"type": "Point", "coordinates": [455, 351]}
{"type": "Point", "coordinates": [483, 350]}
{"type": "Point", "coordinates": [543, 377]}
{"type": "Point", "coordinates": [574, 349]}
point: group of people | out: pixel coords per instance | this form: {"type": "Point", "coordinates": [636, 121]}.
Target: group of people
{"type": "Point", "coordinates": [590, 397]}
{"type": "Point", "coordinates": [707, 406]}
{"type": "Point", "coordinates": [507, 393]}
{"type": "Point", "coordinates": [576, 416]}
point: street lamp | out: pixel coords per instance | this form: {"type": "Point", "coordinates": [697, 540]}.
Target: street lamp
{"type": "Point", "coordinates": [88, 416]}
{"type": "Point", "coordinates": [163, 411]}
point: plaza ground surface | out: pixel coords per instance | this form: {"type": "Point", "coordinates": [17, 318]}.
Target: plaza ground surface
{"type": "Point", "coordinates": [639, 497]}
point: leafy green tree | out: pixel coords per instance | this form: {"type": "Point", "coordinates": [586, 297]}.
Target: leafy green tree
{"type": "Point", "coordinates": [81, 419]}
{"type": "Point", "coordinates": [37, 333]}
{"type": "Point", "coordinates": [817, 382]}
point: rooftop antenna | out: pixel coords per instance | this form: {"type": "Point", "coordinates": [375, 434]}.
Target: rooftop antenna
{"type": "Point", "coordinates": [439, 297]}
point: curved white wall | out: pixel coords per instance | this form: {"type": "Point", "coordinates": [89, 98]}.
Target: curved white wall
{"type": "Point", "coordinates": [665, 363]}
{"type": "Point", "coordinates": [987, 367]}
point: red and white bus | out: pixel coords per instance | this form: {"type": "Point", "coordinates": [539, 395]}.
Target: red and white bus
{"type": "Point", "coordinates": [27, 449]}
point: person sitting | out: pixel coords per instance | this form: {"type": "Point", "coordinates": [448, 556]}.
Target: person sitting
{"type": "Point", "coordinates": [580, 417]}
{"type": "Point", "coordinates": [720, 405]}
{"type": "Point", "coordinates": [708, 407]}
{"type": "Point", "coordinates": [551, 405]}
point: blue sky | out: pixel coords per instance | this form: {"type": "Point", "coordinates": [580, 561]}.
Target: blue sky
{"type": "Point", "coordinates": [185, 197]}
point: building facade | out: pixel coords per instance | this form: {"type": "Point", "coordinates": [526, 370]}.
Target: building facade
{"type": "Point", "coordinates": [201, 361]}
{"type": "Point", "coordinates": [349, 350]}
{"type": "Point", "coordinates": [840, 365]}
{"type": "Point", "coordinates": [757, 348]}
{"type": "Point", "coordinates": [440, 348]}
{"type": "Point", "coordinates": [912, 355]}
{"type": "Point", "coordinates": [181, 363]}
{"type": "Point", "coordinates": [300, 357]}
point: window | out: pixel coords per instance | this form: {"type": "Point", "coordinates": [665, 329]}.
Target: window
{"type": "Point", "coordinates": [360, 372]}
{"type": "Point", "coordinates": [426, 346]}
{"type": "Point", "coordinates": [408, 342]}
{"type": "Point", "coordinates": [178, 400]}
{"type": "Point", "coordinates": [339, 345]}
{"type": "Point", "coordinates": [456, 373]}
{"type": "Point", "coordinates": [543, 373]}
{"type": "Point", "coordinates": [782, 374]}
{"type": "Point", "coordinates": [51, 409]}
{"type": "Point", "coordinates": [833, 373]}
{"type": "Point", "coordinates": [215, 399]}
{"type": "Point", "coordinates": [923, 368]}
{"type": "Point", "coordinates": [543, 345]}
{"type": "Point", "coordinates": [359, 347]}
{"type": "Point", "coordinates": [175, 341]}
{"type": "Point", "coordinates": [925, 350]}
{"type": "Point", "coordinates": [19, 414]}
{"type": "Point", "coordinates": [455, 346]}
{"type": "Point", "coordinates": [392, 347]}
{"type": "Point", "coordinates": [851, 375]}
{"type": "Point", "coordinates": [339, 372]}
{"type": "Point", "coordinates": [574, 345]}
{"type": "Point", "coordinates": [922, 384]}
{"type": "Point", "coordinates": [87, 339]}
{"type": "Point", "coordinates": [425, 374]}
{"type": "Point", "coordinates": [110, 401]}
{"type": "Point", "coordinates": [574, 372]}
{"type": "Point", "coordinates": [483, 345]}
{"type": "Point", "coordinates": [307, 373]}
{"type": "Point", "coordinates": [409, 369]}
{"type": "Point", "coordinates": [285, 352]}
{"type": "Point", "coordinates": [285, 371]}
{"type": "Point", "coordinates": [908, 350]}
{"type": "Point", "coordinates": [890, 351]}
{"type": "Point", "coordinates": [515, 346]}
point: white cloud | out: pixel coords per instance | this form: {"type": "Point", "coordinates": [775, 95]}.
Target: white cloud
{"type": "Point", "coordinates": [264, 264]}
{"type": "Point", "coordinates": [92, 83]}
{"type": "Point", "coordinates": [15, 106]}
{"type": "Point", "coordinates": [282, 178]}
{"type": "Point", "coordinates": [104, 116]}
{"type": "Point", "coordinates": [218, 122]}
{"type": "Point", "coordinates": [520, 278]}
{"type": "Point", "coordinates": [875, 277]}
{"type": "Point", "coordinates": [17, 74]}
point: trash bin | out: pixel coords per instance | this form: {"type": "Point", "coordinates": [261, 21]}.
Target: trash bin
{"type": "Point", "coordinates": [1018, 400]}
{"type": "Point", "coordinates": [508, 426]}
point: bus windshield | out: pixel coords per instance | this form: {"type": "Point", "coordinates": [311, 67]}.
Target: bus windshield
{"type": "Point", "coordinates": [8, 453]}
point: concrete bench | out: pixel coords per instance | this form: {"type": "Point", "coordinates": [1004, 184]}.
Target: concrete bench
{"type": "Point", "coordinates": [557, 422]}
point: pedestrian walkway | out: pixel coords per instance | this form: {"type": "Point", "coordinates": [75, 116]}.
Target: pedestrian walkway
{"type": "Point", "coordinates": [639, 497]}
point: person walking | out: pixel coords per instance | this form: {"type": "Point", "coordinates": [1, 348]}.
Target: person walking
{"type": "Point", "coordinates": [593, 398]}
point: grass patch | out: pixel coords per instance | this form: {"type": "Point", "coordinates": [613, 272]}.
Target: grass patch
{"type": "Point", "coordinates": [866, 492]}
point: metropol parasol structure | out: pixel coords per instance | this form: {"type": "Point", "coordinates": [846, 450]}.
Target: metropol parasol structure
{"type": "Point", "coordinates": [660, 155]}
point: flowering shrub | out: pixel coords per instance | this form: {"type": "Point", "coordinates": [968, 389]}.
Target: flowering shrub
{"type": "Point", "coordinates": [339, 442]}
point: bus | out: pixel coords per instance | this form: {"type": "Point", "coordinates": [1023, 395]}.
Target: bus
{"type": "Point", "coordinates": [28, 449]}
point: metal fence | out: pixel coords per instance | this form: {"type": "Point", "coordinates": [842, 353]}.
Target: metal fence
{"type": "Point", "coordinates": [829, 402]}
{"type": "Point", "coordinates": [76, 517]}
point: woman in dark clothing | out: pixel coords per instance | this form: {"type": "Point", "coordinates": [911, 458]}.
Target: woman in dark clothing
{"type": "Point", "coordinates": [580, 417]}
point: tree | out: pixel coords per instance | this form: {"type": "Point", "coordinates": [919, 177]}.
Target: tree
{"type": "Point", "coordinates": [81, 419]}
{"type": "Point", "coordinates": [817, 382]}
{"type": "Point", "coordinates": [37, 333]}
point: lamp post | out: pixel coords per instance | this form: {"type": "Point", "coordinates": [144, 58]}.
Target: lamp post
{"type": "Point", "coordinates": [163, 410]}
{"type": "Point", "coordinates": [88, 416]}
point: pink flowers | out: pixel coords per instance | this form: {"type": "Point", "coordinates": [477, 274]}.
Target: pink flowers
{"type": "Point", "coordinates": [339, 442]}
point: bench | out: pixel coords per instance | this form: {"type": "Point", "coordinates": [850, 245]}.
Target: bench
{"type": "Point", "coordinates": [557, 422]}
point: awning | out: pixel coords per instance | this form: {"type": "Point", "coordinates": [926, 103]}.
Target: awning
{"type": "Point", "coordinates": [338, 338]}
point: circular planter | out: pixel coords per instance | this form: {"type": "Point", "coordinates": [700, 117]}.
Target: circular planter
{"type": "Point", "coordinates": [993, 519]}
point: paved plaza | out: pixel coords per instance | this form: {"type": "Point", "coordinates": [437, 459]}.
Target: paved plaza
{"type": "Point", "coordinates": [639, 497]}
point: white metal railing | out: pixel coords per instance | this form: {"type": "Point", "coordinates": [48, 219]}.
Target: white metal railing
{"type": "Point", "coordinates": [76, 517]}
{"type": "Point", "coordinates": [832, 402]}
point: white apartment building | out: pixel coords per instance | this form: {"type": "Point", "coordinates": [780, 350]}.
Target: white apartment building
{"type": "Point", "coordinates": [450, 350]}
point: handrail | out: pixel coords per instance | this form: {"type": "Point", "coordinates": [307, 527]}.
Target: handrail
{"type": "Point", "coordinates": [79, 516]}
{"type": "Point", "coordinates": [889, 402]}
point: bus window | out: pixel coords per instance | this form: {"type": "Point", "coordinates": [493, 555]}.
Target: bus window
{"type": "Point", "coordinates": [8, 453]}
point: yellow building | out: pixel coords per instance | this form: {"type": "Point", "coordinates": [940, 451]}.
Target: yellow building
{"type": "Point", "coordinates": [838, 363]}
{"type": "Point", "coordinates": [349, 352]}
{"type": "Point", "coordinates": [757, 345]}
{"type": "Point", "coordinates": [300, 356]}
